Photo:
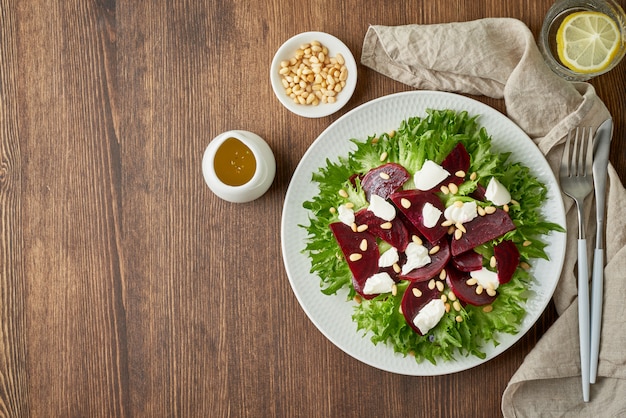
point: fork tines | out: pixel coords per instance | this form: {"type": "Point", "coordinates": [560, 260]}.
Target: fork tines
{"type": "Point", "coordinates": [582, 154]}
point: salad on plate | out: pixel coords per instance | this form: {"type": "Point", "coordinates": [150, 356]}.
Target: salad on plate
{"type": "Point", "coordinates": [433, 235]}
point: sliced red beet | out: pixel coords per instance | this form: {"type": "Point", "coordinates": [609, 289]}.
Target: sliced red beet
{"type": "Point", "coordinates": [384, 180]}
{"type": "Point", "coordinates": [457, 160]}
{"type": "Point", "coordinates": [412, 304]}
{"type": "Point", "coordinates": [468, 261]}
{"type": "Point", "coordinates": [416, 201]}
{"type": "Point", "coordinates": [437, 262]}
{"type": "Point", "coordinates": [457, 281]}
{"type": "Point", "coordinates": [507, 259]}
{"type": "Point", "coordinates": [481, 230]}
{"type": "Point", "coordinates": [397, 235]}
{"type": "Point", "coordinates": [350, 243]}
{"type": "Point", "coordinates": [480, 193]}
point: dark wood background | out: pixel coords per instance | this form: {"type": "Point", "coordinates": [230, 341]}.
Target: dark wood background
{"type": "Point", "coordinates": [126, 287]}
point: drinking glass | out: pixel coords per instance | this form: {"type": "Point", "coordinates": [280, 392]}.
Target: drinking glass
{"type": "Point", "coordinates": [555, 16]}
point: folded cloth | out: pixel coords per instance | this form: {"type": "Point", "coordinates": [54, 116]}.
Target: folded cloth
{"type": "Point", "coordinates": [499, 58]}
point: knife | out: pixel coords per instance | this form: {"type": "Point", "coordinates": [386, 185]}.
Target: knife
{"type": "Point", "coordinates": [600, 163]}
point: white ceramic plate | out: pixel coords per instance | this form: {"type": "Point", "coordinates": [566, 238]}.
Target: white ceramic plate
{"type": "Point", "coordinates": [288, 50]}
{"type": "Point", "coordinates": [333, 314]}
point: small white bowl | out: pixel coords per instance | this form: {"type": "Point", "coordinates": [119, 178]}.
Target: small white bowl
{"type": "Point", "coordinates": [288, 51]}
{"type": "Point", "coordinates": [260, 181]}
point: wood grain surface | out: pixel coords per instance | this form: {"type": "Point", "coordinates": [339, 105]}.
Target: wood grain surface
{"type": "Point", "coordinates": [126, 287]}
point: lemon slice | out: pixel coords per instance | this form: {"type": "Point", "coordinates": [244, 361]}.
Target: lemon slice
{"type": "Point", "coordinates": [587, 41]}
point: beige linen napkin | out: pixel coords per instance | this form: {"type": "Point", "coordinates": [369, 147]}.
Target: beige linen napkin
{"type": "Point", "coordinates": [499, 58]}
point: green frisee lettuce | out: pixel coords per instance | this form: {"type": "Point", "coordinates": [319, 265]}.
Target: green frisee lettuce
{"type": "Point", "coordinates": [416, 140]}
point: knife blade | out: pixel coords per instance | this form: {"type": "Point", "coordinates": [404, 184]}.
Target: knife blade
{"type": "Point", "coordinates": [600, 163]}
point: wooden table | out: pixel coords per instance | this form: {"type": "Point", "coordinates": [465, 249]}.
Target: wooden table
{"type": "Point", "coordinates": [126, 287]}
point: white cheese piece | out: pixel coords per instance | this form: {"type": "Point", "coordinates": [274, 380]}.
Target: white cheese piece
{"type": "Point", "coordinates": [497, 193]}
{"type": "Point", "coordinates": [462, 214]}
{"type": "Point", "coordinates": [378, 283]}
{"type": "Point", "coordinates": [431, 215]}
{"type": "Point", "coordinates": [382, 208]}
{"type": "Point", "coordinates": [486, 278]}
{"type": "Point", "coordinates": [416, 257]}
{"type": "Point", "coordinates": [346, 215]}
{"type": "Point", "coordinates": [389, 258]}
{"type": "Point", "coordinates": [429, 315]}
{"type": "Point", "coordinates": [430, 175]}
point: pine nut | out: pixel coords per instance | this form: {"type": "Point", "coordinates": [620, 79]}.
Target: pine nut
{"type": "Point", "coordinates": [383, 156]}
{"type": "Point", "coordinates": [355, 257]}
{"type": "Point", "coordinates": [406, 203]}
{"type": "Point", "coordinates": [386, 225]}
{"type": "Point", "coordinates": [384, 176]}
{"type": "Point", "coordinates": [362, 228]}
{"type": "Point", "coordinates": [363, 245]}
{"type": "Point", "coordinates": [416, 292]}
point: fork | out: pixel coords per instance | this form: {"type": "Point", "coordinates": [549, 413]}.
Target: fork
{"type": "Point", "coordinates": [576, 182]}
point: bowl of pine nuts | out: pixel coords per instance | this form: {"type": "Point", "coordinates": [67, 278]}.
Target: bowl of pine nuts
{"type": "Point", "coordinates": [313, 74]}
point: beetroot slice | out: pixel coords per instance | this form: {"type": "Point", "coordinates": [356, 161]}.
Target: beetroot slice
{"type": "Point", "coordinates": [413, 213]}
{"type": "Point", "coordinates": [411, 304]}
{"type": "Point", "coordinates": [480, 193]}
{"type": "Point", "coordinates": [397, 236]}
{"type": "Point", "coordinates": [468, 261]}
{"type": "Point", "coordinates": [437, 262]}
{"type": "Point", "coordinates": [350, 242]}
{"type": "Point", "coordinates": [507, 259]}
{"type": "Point", "coordinates": [457, 160]}
{"type": "Point", "coordinates": [457, 281]}
{"type": "Point", "coordinates": [481, 230]}
{"type": "Point", "coordinates": [393, 177]}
